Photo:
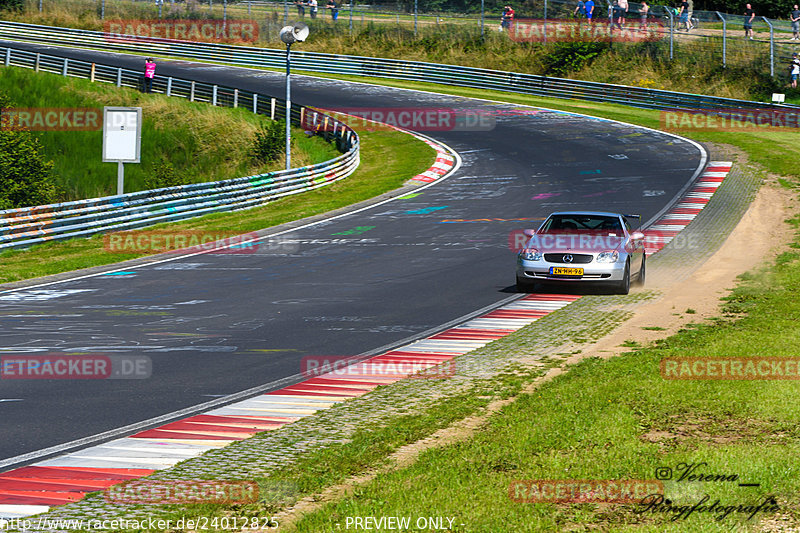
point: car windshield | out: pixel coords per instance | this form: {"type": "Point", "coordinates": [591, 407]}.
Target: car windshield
{"type": "Point", "coordinates": [594, 224]}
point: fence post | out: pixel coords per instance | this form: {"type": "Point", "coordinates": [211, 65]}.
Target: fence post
{"type": "Point", "coordinates": [103, 10]}
{"type": "Point", "coordinates": [771, 48]}
{"type": "Point", "coordinates": [65, 67]}
{"type": "Point", "coordinates": [724, 39]}
{"type": "Point", "coordinates": [272, 109]}
{"type": "Point", "coordinates": [255, 103]}
{"type": "Point", "coordinates": [415, 18]}
{"type": "Point", "coordinates": [36, 63]}
{"type": "Point", "coordinates": [671, 31]}
{"type": "Point", "coordinates": [351, 15]}
{"type": "Point", "coordinates": [191, 93]}
{"type": "Point", "coordinates": [236, 98]}
{"type": "Point", "coordinates": [40, 6]}
{"type": "Point", "coordinates": [8, 57]}
{"type": "Point", "coordinates": [214, 95]}
{"type": "Point", "coordinates": [286, 12]}
{"type": "Point", "coordinates": [92, 72]}
{"type": "Point", "coordinates": [119, 77]}
{"type": "Point", "coordinates": [169, 86]}
{"type": "Point", "coordinates": [544, 25]}
{"type": "Point", "coordinates": [482, 12]}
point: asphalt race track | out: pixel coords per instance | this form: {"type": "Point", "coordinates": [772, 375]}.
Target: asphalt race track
{"type": "Point", "coordinates": [216, 324]}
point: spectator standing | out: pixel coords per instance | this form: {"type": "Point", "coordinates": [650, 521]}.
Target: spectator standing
{"type": "Point", "coordinates": [749, 15]}
{"type": "Point", "coordinates": [312, 4]}
{"type": "Point", "coordinates": [623, 5]}
{"type": "Point", "coordinates": [580, 9]}
{"type": "Point", "coordinates": [616, 16]}
{"type": "Point", "coordinates": [794, 70]}
{"type": "Point", "coordinates": [795, 16]}
{"type": "Point", "coordinates": [691, 13]}
{"type": "Point", "coordinates": [508, 18]}
{"type": "Point", "coordinates": [149, 74]}
{"type": "Point", "coordinates": [590, 10]}
{"type": "Point", "coordinates": [684, 14]}
{"type": "Point", "coordinates": [643, 11]}
{"type": "Point", "coordinates": [301, 10]}
{"type": "Point", "coordinates": [334, 7]}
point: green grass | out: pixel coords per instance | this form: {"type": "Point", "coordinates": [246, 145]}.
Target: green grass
{"type": "Point", "coordinates": [202, 142]}
{"type": "Point", "coordinates": [388, 159]}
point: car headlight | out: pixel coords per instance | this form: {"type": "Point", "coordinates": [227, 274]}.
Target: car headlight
{"type": "Point", "coordinates": [530, 254]}
{"type": "Point", "coordinates": [607, 257]}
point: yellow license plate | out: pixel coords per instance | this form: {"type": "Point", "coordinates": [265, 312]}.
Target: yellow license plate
{"type": "Point", "coordinates": [564, 271]}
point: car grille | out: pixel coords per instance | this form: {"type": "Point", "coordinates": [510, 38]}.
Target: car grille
{"type": "Point", "coordinates": [577, 259]}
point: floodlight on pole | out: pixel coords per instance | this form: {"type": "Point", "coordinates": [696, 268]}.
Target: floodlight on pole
{"type": "Point", "coordinates": [296, 33]}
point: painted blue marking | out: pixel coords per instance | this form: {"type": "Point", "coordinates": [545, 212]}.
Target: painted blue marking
{"type": "Point", "coordinates": [118, 273]}
{"type": "Point", "coordinates": [425, 210]}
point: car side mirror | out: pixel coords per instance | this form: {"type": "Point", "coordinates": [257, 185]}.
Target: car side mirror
{"type": "Point", "coordinates": [637, 235]}
{"type": "Point", "coordinates": [529, 232]}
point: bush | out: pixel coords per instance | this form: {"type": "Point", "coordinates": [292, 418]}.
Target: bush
{"type": "Point", "coordinates": [11, 5]}
{"type": "Point", "coordinates": [163, 174]}
{"type": "Point", "coordinates": [25, 178]}
{"type": "Point", "coordinates": [569, 57]}
{"type": "Point", "coordinates": [269, 142]}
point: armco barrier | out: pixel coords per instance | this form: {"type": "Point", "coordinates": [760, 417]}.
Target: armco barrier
{"type": "Point", "coordinates": [380, 68]}
{"type": "Point", "coordinates": [32, 225]}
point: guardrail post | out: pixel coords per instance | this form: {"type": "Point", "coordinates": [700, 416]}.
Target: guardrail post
{"type": "Point", "coordinates": [272, 109]}
{"type": "Point", "coordinates": [64, 68]}
{"type": "Point", "coordinates": [92, 73]}
{"type": "Point", "coordinates": [214, 95]}
{"type": "Point", "coordinates": [169, 86]}
{"type": "Point", "coordinates": [191, 93]}
{"type": "Point", "coordinates": [236, 98]}
{"type": "Point", "coordinates": [8, 56]}
{"type": "Point", "coordinates": [255, 103]}
{"type": "Point", "coordinates": [724, 39]}
{"type": "Point", "coordinates": [36, 63]}
{"type": "Point", "coordinates": [119, 77]}
{"type": "Point", "coordinates": [771, 48]}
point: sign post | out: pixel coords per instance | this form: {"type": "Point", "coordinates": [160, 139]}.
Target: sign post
{"type": "Point", "coordinates": [122, 139]}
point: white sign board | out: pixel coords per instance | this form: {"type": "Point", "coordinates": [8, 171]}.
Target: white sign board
{"type": "Point", "coordinates": [122, 134]}
{"type": "Point", "coordinates": [778, 98]}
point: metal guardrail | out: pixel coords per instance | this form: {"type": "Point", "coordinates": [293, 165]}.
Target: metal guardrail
{"type": "Point", "coordinates": [380, 68]}
{"type": "Point", "coordinates": [33, 225]}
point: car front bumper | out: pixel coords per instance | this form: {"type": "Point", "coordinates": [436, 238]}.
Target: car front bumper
{"type": "Point", "coordinates": [540, 271]}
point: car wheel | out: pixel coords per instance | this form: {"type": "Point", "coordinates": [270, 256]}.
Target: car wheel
{"type": "Point", "coordinates": [524, 285]}
{"type": "Point", "coordinates": [624, 286]}
{"type": "Point", "coordinates": [642, 271]}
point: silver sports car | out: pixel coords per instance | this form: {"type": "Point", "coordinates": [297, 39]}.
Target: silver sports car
{"type": "Point", "coordinates": [583, 246]}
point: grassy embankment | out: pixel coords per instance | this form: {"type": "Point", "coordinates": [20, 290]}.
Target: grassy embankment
{"type": "Point", "coordinates": [697, 65]}
{"type": "Point", "coordinates": [201, 141]}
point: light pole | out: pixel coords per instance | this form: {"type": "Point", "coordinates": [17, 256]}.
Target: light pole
{"type": "Point", "coordinates": [290, 35]}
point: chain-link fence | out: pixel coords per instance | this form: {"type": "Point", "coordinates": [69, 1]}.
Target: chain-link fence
{"type": "Point", "coordinates": [717, 37]}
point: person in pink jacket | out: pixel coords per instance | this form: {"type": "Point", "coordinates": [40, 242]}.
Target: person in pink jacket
{"type": "Point", "coordinates": [149, 74]}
